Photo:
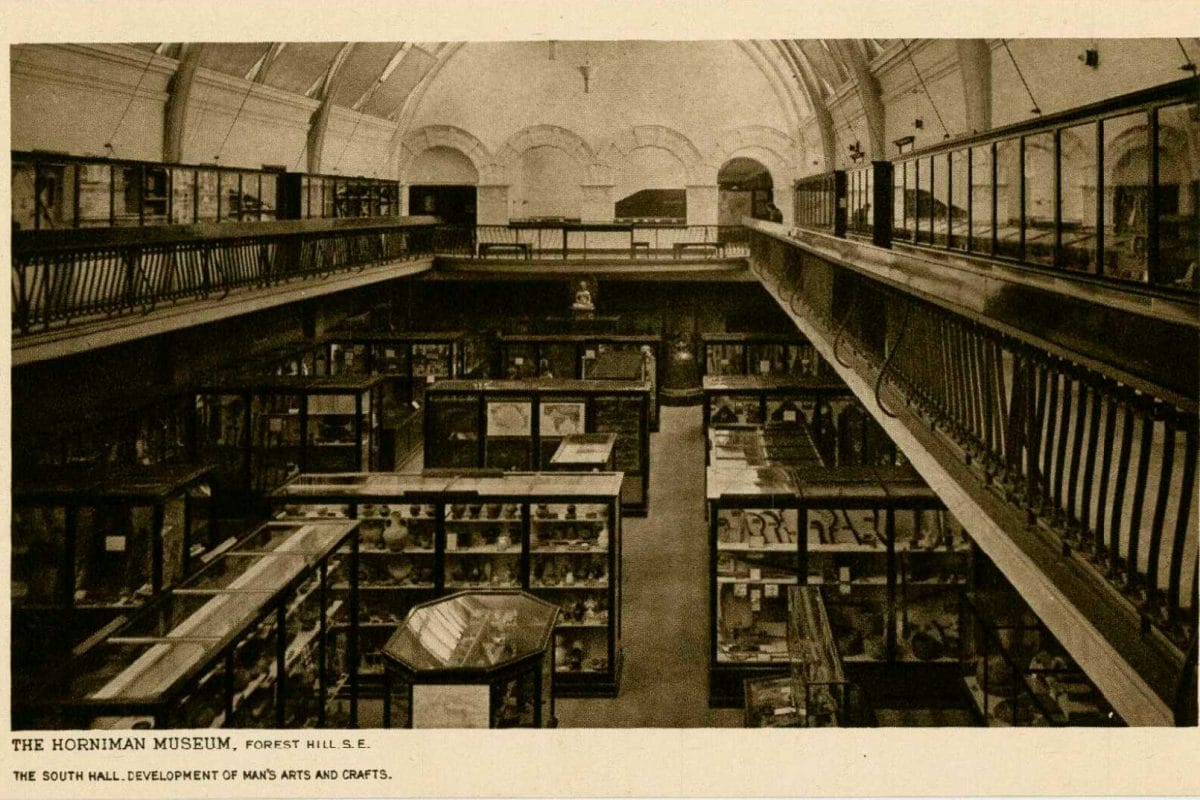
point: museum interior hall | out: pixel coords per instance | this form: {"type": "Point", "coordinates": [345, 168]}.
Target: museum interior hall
{"type": "Point", "coordinates": [605, 384]}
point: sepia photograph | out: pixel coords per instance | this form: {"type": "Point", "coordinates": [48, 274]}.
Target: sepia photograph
{"type": "Point", "coordinates": [865, 370]}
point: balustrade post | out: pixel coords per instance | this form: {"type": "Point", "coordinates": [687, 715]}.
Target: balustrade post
{"type": "Point", "coordinates": [839, 203]}
{"type": "Point", "coordinates": [882, 198]}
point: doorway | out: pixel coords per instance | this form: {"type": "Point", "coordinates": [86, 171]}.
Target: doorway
{"type": "Point", "coordinates": [454, 204]}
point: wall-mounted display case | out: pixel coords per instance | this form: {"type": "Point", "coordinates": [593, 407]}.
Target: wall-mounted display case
{"type": "Point", "coordinates": [408, 361]}
{"type": "Point", "coordinates": [776, 355]}
{"type": "Point", "coordinates": [842, 430]}
{"type": "Point", "coordinates": [1017, 672]}
{"type": "Point", "coordinates": [587, 356]}
{"type": "Point", "coordinates": [892, 565]}
{"type": "Point", "coordinates": [557, 535]}
{"type": "Point", "coordinates": [814, 693]}
{"type": "Point", "coordinates": [518, 425]}
{"type": "Point", "coordinates": [475, 659]}
{"type": "Point", "coordinates": [260, 431]}
{"type": "Point", "coordinates": [245, 643]}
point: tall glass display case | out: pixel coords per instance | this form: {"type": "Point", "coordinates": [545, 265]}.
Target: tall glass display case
{"type": "Point", "coordinates": [891, 562]}
{"type": "Point", "coordinates": [586, 356]}
{"type": "Point", "coordinates": [408, 361]}
{"type": "Point", "coordinates": [556, 535]}
{"type": "Point", "coordinates": [262, 430]}
{"type": "Point", "coordinates": [725, 354]}
{"type": "Point", "coordinates": [518, 425]}
{"type": "Point", "coordinates": [245, 643]}
{"type": "Point", "coordinates": [475, 659]}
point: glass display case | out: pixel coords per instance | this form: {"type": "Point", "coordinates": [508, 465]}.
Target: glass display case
{"type": "Point", "coordinates": [757, 445]}
{"type": "Point", "coordinates": [244, 643]}
{"type": "Point", "coordinates": [585, 452]}
{"type": "Point", "coordinates": [842, 430]}
{"type": "Point", "coordinates": [622, 357]}
{"type": "Point", "coordinates": [725, 354]}
{"type": "Point", "coordinates": [891, 562]}
{"type": "Point", "coordinates": [475, 659]}
{"type": "Point", "coordinates": [93, 539]}
{"type": "Point", "coordinates": [518, 425]}
{"type": "Point", "coordinates": [557, 535]}
{"type": "Point", "coordinates": [1018, 674]}
{"type": "Point", "coordinates": [814, 692]}
{"type": "Point", "coordinates": [262, 430]}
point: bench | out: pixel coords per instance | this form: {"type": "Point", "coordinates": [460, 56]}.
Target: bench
{"type": "Point", "coordinates": [634, 247]}
{"type": "Point", "coordinates": [518, 248]}
{"type": "Point", "coordinates": [714, 248]}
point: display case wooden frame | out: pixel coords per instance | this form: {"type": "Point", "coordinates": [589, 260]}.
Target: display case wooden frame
{"type": "Point", "coordinates": [225, 648]}
{"type": "Point", "coordinates": [262, 430]}
{"type": "Point", "coordinates": [438, 508]}
{"type": "Point", "coordinates": [767, 354]}
{"type": "Point", "coordinates": [873, 569]}
{"type": "Point", "coordinates": [513, 687]}
{"type": "Point", "coordinates": [408, 361]}
{"type": "Point", "coordinates": [457, 433]}
{"type": "Point", "coordinates": [565, 355]}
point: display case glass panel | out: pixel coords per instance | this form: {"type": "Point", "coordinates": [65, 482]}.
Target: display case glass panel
{"type": "Point", "coordinates": [452, 431]}
{"type": "Point", "coordinates": [208, 197]}
{"type": "Point", "coordinates": [39, 539]}
{"type": "Point", "coordinates": [483, 545]}
{"type": "Point", "coordinates": [276, 446]}
{"type": "Point", "coordinates": [183, 196]}
{"type": "Point", "coordinates": [95, 195]}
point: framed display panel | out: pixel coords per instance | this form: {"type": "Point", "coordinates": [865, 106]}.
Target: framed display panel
{"type": "Point", "coordinates": [620, 357]}
{"type": "Point", "coordinates": [477, 659]}
{"type": "Point", "coordinates": [499, 424]}
{"type": "Point", "coordinates": [726, 354]}
{"type": "Point", "coordinates": [262, 430]}
{"type": "Point", "coordinates": [243, 643]}
{"type": "Point", "coordinates": [585, 452]}
{"type": "Point", "coordinates": [557, 535]}
{"type": "Point", "coordinates": [408, 362]}
{"type": "Point", "coordinates": [891, 563]}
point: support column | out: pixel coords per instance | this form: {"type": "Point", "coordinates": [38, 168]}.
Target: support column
{"type": "Point", "coordinates": [178, 94]}
{"type": "Point", "coordinates": [975, 67]}
{"type": "Point", "coordinates": [868, 91]}
{"type": "Point", "coordinates": [702, 205]}
{"type": "Point", "coordinates": [597, 203]}
{"type": "Point", "coordinates": [491, 204]}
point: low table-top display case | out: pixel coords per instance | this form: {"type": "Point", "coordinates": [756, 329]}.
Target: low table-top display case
{"type": "Point", "coordinates": [475, 659]}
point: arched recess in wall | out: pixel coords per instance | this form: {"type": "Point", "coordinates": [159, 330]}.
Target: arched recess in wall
{"type": "Point", "coordinates": [547, 167]}
{"type": "Point", "coordinates": [650, 183]}
{"type": "Point", "coordinates": [774, 150]}
{"type": "Point", "coordinates": [745, 189]}
{"type": "Point", "coordinates": [441, 165]}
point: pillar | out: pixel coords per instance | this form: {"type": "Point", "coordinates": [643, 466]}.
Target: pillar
{"type": "Point", "coordinates": [702, 205]}
{"type": "Point", "coordinates": [491, 204]}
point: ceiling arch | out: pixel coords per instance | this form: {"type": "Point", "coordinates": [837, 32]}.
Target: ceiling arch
{"type": "Point", "coordinates": [426, 138]}
{"type": "Point", "coordinates": [620, 146]}
{"type": "Point", "coordinates": [554, 136]}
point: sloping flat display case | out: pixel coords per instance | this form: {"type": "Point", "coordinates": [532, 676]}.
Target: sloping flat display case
{"type": "Point", "coordinates": [245, 643]}
{"type": "Point", "coordinates": [757, 445]}
{"type": "Point", "coordinates": [588, 357]}
{"type": "Point", "coordinates": [842, 430]}
{"type": "Point", "coordinates": [1017, 672]}
{"type": "Point", "coordinates": [260, 431]}
{"type": "Point", "coordinates": [892, 578]}
{"type": "Point", "coordinates": [775, 355]}
{"type": "Point", "coordinates": [90, 545]}
{"type": "Point", "coordinates": [556, 535]}
{"type": "Point", "coordinates": [474, 659]}
{"type": "Point", "coordinates": [518, 425]}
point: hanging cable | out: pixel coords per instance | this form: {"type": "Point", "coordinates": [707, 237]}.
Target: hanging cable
{"type": "Point", "coordinates": [924, 88]}
{"type": "Point", "coordinates": [349, 138]}
{"type": "Point", "coordinates": [1188, 65]}
{"type": "Point", "coordinates": [1036, 108]}
{"type": "Point", "coordinates": [237, 114]}
{"type": "Point", "coordinates": [108, 144]}
{"type": "Point", "coordinates": [841, 329]}
{"type": "Point", "coordinates": [891, 354]}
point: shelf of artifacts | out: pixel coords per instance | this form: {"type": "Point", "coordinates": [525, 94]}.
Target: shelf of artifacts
{"type": "Point", "coordinates": [408, 362]}
{"type": "Point", "coordinates": [891, 564]}
{"type": "Point", "coordinates": [1016, 671]}
{"type": "Point", "coordinates": [725, 354]}
{"type": "Point", "coordinates": [814, 692]}
{"type": "Point", "coordinates": [247, 642]}
{"type": "Point", "coordinates": [261, 430]}
{"type": "Point", "coordinates": [588, 356]}
{"type": "Point", "coordinates": [518, 426]}
{"type": "Point", "coordinates": [842, 430]}
{"type": "Point", "coordinates": [557, 535]}
{"type": "Point", "coordinates": [92, 544]}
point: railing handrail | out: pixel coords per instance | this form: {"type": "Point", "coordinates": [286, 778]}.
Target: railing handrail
{"type": "Point", "coordinates": [26, 243]}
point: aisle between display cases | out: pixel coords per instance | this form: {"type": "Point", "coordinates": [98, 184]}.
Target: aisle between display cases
{"type": "Point", "coordinates": [891, 560]}
{"type": "Point", "coordinates": [518, 425]}
{"type": "Point", "coordinates": [557, 535]}
{"type": "Point", "coordinates": [586, 356]}
{"type": "Point", "coordinates": [260, 431]}
{"type": "Point", "coordinates": [248, 642]}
